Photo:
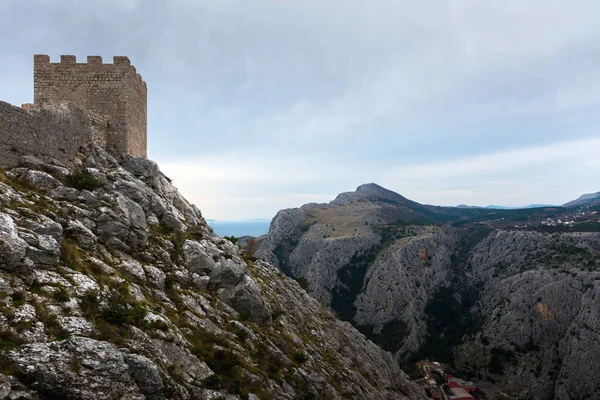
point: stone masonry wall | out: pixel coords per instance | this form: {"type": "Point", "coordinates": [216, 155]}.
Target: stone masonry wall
{"type": "Point", "coordinates": [115, 91]}
{"type": "Point", "coordinates": [54, 133]}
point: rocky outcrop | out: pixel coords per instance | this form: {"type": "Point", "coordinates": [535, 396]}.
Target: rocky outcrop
{"type": "Point", "coordinates": [283, 226]}
{"type": "Point", "coordinates": [113, 286]}
{"type": "Point", "coordinates": [84, 368]}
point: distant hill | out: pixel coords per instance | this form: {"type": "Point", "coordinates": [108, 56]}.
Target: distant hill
{"type": "Point", "coordinates": [590, 198]}
{"type": "Point", "coordinates": [493, 207]}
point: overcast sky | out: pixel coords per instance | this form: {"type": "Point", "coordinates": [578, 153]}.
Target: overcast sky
{"type": "Point", "coordinates": [259, 105]}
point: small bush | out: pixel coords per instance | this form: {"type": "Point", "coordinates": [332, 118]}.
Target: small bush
{"type": "Point", "coordinates": [212, 382]}
{"type": "Point", "coordinates": [61, 295]}
{"type": "Point", "coordinates": [231, 238]}
{"type": "Point", "coordinates": [157, 324]}
{"type": "Point", "coordinates": [120, 312]}
{"type": "Point", "coordinates": [50, 322]}
{"type": "Point", "coordinates": [7, 366]}
{"type": "Point", "coordinates": [18, 298]}
{"type": "Point", "coordinates": [89, 303]}
{"type": "Point", "coordinates": [8, 340]}
{"type": "Point", "coordinates": [82, 180]}
{"type": "Point", "coordinates": [299, 357]}
{"type": "Point", "coordinates": [302, 282]}
{"type": "Point", "coordinates": [223, 361]}
{"type": "Point", "coordinates": [70, 255]}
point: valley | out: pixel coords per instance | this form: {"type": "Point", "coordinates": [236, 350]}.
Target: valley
{"type": "Point", "coordinates": [509, 295]}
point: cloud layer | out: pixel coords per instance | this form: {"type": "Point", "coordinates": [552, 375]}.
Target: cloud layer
{"type": "Point", "coordinates": [257, 106]}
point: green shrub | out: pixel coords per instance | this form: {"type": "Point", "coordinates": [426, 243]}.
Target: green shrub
{"type": "Point", "coordinates": [8, 340]}
{"type": "Point", "coordinates": [18, 298]}
{"type": "Point", "coordinates": [83, 180]}
{"type": "Point", "coordinates": [50, 322]}
{"type": "Point", "coordinates": [231, 238]}
{"type": "Point", "coordinates": [121, 312]}
{"type": "Point", "coordinates": [299, 357]}
{"type": "Point", "coordinates": [89, 303]}
{"type": "Point", "coordinates": [302, 282]}
{"type": "Point", "coordinates": [61, 295]}
{"type": "Point", "coordinates": [7, 366]}
{"type": "Point", "coordinates": [212, 382]}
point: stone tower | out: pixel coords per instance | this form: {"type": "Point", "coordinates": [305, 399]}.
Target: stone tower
{"type": "Point", "coordinates": [114, 91]}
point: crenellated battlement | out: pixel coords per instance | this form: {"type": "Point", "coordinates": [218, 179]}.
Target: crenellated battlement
{"type": "Point", "coordinates": [114, 91]}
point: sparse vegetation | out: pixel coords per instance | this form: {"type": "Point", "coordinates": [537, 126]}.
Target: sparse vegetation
{"type": "Point", "coordinates": [7, 366]}
{"type": "Point", "coordinates": [61, 295]}
{"type": "Point", "coordinates": [299, 357]}
{"type": "Point", "coordinates": [232, 239]}
{"type": "Point", "coordinates": [83, 180]}
{"type": "Point", "coordinates": [70, 255]}
{"type": "Point", "coordinates": [302, 282]}
{"type": "Point", "coordinates": [9, 340]}
{"type": "Point", "coordinates": [51, 323]}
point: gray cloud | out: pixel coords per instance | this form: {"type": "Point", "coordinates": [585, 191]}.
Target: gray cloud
{"type": "Point", "coordinates": [347, 91]}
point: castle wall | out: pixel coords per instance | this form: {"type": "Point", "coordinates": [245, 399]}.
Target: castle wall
{"type": "Point", "coordinates": [136, 114]}
{"type": "Point", "coordinates": [54, 133]}
{"type": "Point", "coordinates": [115, 91]}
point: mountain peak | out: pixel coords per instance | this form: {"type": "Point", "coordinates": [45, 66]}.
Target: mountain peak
{"type": "Point", "coordinates": [370, 187]}
{"type": "Point", "coordinates": [372, 192]}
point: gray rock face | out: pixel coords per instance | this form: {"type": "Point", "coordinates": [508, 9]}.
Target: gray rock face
{"type": "Point", "coordinates": [145, 374]}
{"type": "Point", "coordinates": [281, 228]}
{"type": "Point", "coordinates": [196, 257]}
{"type": "Point", "coordinates": [401, 282]}
{"type": "Point", "coordinates": [84, 368]}
{"type": "Point", "coordinates": [539, 299]}
{"type": "Point", "coordinates": [12, 247]}
{"type": "Point", "coordinates": [41, 180]}
{"type": "Point", "coordinates": [82, 235]}
{"type": "Point", "coordinates": [119, 290]}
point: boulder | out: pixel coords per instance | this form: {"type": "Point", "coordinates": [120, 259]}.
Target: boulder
{"type": "Point", "coordinates": [12, 248]}
{"type": "Point", "coordinates": [84, 368]}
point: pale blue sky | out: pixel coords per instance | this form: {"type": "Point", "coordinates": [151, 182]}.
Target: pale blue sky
{"type": "Point", "coordinates": [260, 105]}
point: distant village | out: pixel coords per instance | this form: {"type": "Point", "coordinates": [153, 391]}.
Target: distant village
{"type": "Point", "coordinates": [439, 384]}
{"type": "Point", "coordinates": [551, 219]}
{"type": "Point", "coordinates": [573, 218]}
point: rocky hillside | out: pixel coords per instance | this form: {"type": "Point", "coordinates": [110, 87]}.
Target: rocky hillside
{"type": "Point", "coordinates": [517, 305]}
{"type": "Point", "coordinates": [112, 286]}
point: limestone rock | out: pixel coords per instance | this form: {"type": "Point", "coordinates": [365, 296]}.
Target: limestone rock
{"type": "Point", "coordinates": [41, 180]}
{"type": "Point", "coordinates": [12, 248]}
{"type": "Point", "coordinates": [81, 234]}
{"type": "Point", "coordinates": [78, 367]}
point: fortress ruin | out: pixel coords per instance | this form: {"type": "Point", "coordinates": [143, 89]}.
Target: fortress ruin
{"type": "Point", "coordinates": [77, 105]}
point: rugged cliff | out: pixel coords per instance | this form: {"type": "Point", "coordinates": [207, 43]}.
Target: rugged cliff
{"type": "Point", "coordinates": [112, 286]}
{"type": "Point", "coordinates": [540, 313]}
{"type": "Point", "coordinates": [494, 291]}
